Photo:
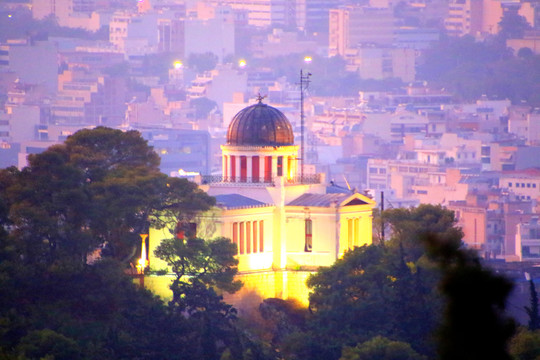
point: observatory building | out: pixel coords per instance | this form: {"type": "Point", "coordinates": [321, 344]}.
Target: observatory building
{"type": "Point", "coordinates": [285, 224]}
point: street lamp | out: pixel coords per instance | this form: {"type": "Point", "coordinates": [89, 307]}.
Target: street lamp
{"type": "Point", "coordinates": [142, 263]}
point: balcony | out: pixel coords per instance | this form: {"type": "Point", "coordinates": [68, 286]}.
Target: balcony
{"type": "Point", "coordinates": [306, 179]}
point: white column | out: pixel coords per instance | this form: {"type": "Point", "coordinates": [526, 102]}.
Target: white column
{"type": "Point", "coordinates": [229, 167]}
{"type": "Point", "coordinates": [224, 165]}
{"type": "Point", "coordinates": [274, 166]}
{"type": "Point", "coordinates": [286, 166]}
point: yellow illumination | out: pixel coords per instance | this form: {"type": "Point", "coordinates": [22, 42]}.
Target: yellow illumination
{"type": "Point", "coordinates": [143, 261]}
{"type": "Point", "coordinates": [290, 173]}
{"type": "Point", "coordinates": [178, 64]}
{"type": "Point", "coordinates": [307, 59]}
{"type": "Point", "coordinates": [242, 63]}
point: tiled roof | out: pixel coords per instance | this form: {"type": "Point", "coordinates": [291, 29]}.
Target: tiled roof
{"type": "Point", "coordinates": [323, 200]}
{"type": "Point", "coordinates": [231, 201]}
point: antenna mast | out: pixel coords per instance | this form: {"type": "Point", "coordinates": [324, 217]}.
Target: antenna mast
{"type": "Point", "coordinates": [304, 83]}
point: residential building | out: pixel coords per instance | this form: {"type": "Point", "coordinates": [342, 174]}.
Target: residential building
{"type": "Point", "coordinates": [34, 61]}
{"type": "Point", "coordinates": [528, 240]}
{"type": "Point", "coordinates": [377, 62]}
{"type": "Point", "coordinates": [351, 26]}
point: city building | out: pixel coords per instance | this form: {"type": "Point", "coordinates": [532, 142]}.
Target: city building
{"type": "Point", "coordinates": [528, 240]}
{"type": "Point", "coordinates": [351, 26]}
{"type": "Point", "coordinates": [34, 61]}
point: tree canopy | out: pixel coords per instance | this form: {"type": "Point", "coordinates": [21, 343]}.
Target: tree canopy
{"type": "Point", "coordinates": [469, 68]}
{"type": "Point", "coordinates": [97, 192]}
{"type": "Point", "coordinates": [419, 295]}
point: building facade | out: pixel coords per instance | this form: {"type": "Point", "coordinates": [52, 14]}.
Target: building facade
{"type": "Point", "coordinates": [286, 224]}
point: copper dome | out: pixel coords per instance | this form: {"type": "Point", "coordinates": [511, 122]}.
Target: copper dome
{"type": "Point", "coordinates": [260, 125]}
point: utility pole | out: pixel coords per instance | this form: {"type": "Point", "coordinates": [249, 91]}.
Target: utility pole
{"type": "Point", "coordinates": [382, 218]}
{"type": "Point", "coordinates": [304, 83]}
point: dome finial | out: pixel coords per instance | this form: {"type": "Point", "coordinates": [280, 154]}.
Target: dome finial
{"type": "Point", "coordinates": [260, 97]}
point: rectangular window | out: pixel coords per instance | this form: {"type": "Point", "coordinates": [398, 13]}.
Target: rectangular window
{"type": "Point", "coordinates": [261, 236]}
{"type": "Point", "coordinates": [233, 167]}
{"type": "Point", "coordinates": [509, 184]}
{"type": "Point", "coordinates": [280, 166]}
{"type": "Point", "coordinates": [248, 237]}
{"type": "Point", "coordinates": [267, 168]}
{"type": "Point", "coordinates": [528, 185]}
{"type": "Point", "coordinates": [309, 235]}
{"type": "Point", "coordinates": [235, 235]}
{"type": "Point", "coordinates": [255, 169]}
{"type": "Point", "coordinates": [254, 236]}
{"type": "Point", "coordinates": [243, 168]}
{"type": "Point", "coordinates": [241, 231]}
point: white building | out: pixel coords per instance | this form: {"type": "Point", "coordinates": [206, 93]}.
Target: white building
{"type": "Point", "coordinates": [285, 223]}
{"type": "Point", "coordinates": [528, 240]}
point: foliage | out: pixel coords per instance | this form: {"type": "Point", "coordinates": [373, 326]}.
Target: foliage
{"type": "Point", "coordinates": [525, 345]}
{"type": "Point", "coordinates": [532, 311]}
{"type": "Point", "coordinates": [202, 62]}
{"type": "Point", "coordinates": [99, 190]}
{"type": "Point", "coordinates": [91, 313]}
{"type": "Point", "coordinates": [474, 324]}
{"type": "Point", "coordinates": [200, 267]}
{"type": "Point", "coordinates": [203, 107]}
{"type": "Point", "coordinates": [380, 348]}
{"type": "Point", "coordinates": [512, 26]}
{"type": "Point", "coordinates": [469, 69]}
{"type": "Point", "coordinates": [21, 25]}
{"type": "Point", "coordinates": [378, 295]}
{"type": "Point", "coordinates": [410, 225]}
{"type": "Point", "coordinates": [329, 75]}
{"type": "Point", "coordinates": [367, 293]}
{"type": "Point", "coordinates": [158, 64]}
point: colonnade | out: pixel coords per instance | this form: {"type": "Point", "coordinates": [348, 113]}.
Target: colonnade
{"type": "Point", "coordinates": [257, 168]}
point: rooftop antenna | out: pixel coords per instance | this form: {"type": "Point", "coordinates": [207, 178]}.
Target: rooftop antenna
{"type": "Point", "coordinates": [260, 98]}
{"type": "Point", "coordinates": [304, 84]}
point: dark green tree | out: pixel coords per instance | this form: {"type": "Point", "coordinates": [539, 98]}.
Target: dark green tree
{"type": "Point", "coordinates": [203, 107]}
{"type": "Point", "coordinates": [98, 188]}
{"type": "Point", "coordinates": [202, 62]}
{"type": "Point", "coordinates": [475, 324]}
{"type": "Point", "coordinates": [367, 293]}
{"type": "Point", "coordinates": [512, 26]}
{"type": "Point", "coordinates": [55, 304]}
{"type": "Point", "coordinates": [202, 268]}
{"type": "Point", "coordinates": [525, 345]}
{"type": "Point", "coordinates": [380, 348]}
{"type": "Point", "coordinates": [532, 310]}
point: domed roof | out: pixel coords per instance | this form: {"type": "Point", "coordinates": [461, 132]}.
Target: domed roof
{"type": "Point", "coordinates": [260, 125]}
